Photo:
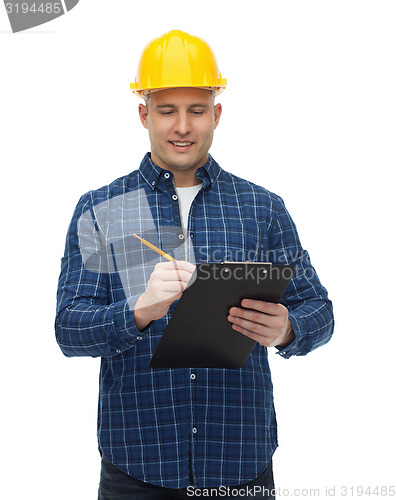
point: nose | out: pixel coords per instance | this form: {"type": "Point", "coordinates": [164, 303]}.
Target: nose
{"type": "Point", "coordinates": [182, 124]}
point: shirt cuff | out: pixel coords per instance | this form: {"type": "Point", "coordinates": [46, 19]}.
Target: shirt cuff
{"type": "Point", "coordinates": [126, 331]}
{"type": "Point", "coordinates": [293, 349]}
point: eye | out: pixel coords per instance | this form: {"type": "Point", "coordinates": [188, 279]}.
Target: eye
{"type": "Point", "coordinates": [166, 113]}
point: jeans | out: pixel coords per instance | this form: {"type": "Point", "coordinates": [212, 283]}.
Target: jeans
{"type": "Point", "coordinates": [116, 485]}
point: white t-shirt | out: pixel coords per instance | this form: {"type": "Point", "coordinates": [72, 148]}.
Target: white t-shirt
{"type": "Point", "coordinates": [185, 196]}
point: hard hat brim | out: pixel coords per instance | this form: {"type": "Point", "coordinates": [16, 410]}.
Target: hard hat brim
{"type": "Point", "coordinates": [142, 92]}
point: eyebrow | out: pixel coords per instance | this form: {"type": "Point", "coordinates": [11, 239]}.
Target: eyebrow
{"type": "Point", "coordinates": [159, 106]}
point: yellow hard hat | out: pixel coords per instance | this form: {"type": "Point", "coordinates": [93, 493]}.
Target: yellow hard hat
{"type": "Point", "coordinates": [177, 59]}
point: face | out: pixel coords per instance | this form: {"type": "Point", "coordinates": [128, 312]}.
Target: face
{"type": "Point", "coordinates": [181, 124]}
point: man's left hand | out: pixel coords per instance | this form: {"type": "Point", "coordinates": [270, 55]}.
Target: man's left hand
{"type": "Point", "coordinates": [265, 322]}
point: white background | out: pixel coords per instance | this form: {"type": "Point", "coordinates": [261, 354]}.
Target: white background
{"type": "Point", "coordinates": [310, 113]}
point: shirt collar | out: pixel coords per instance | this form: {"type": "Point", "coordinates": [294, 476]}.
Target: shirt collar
{"type": "Point", "coordinates": [152, 173]}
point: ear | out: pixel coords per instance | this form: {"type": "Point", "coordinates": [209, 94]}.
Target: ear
{"type": "Point", "coordinates": [217, 114]}
{"type": "Point", "coordinates": [143, 112]}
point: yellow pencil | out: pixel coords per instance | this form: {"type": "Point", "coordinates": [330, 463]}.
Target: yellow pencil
{"type": "Point", "coordinates": [150, 245]}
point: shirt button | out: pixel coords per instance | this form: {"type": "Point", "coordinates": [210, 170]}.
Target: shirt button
{"type": "Point", "coordinates": [139, 338]}
{"type": "Point", "coordinates": [174, 197]}
{"type": "Point", "coordinates": [180, 236]}
{"type": "Point", "coordinates": [166, 175]}
{"type": "Point", "coordinates": [118, 351]}
{"type": "Point", "coordinates": [191, 235]}
{"type": "Point", "coordinates": [193, 376]}
{"type": "Point", "coordinates": [194, 430]}
{"type": "Point", "coordinates": [153, 183]}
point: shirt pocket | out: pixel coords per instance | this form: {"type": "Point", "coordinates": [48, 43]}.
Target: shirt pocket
{"type": "Point", "coordinates": [231, 240]}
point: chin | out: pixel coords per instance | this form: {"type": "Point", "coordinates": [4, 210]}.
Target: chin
{"type": "Point", "coordinates": [182, 164]}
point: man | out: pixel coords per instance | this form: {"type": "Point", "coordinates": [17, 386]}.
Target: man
{"type": "Point", "coordinates": [164, 432]}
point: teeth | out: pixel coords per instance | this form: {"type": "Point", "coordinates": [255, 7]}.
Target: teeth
{"type": "Point", "coordinates": [181, 143]}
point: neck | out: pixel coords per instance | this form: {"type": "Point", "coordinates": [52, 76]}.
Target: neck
{"type": "Point", "coordinates": [185, 179]}
{"type": "Point", "coordinates": [182, 178]}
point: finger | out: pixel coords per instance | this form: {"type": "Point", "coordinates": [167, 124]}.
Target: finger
{"type": "Point", "coordinates": [275, 322]}
{"type": "Point", "coordinates": [254, 316]}
{"type": "Point", "coordinates": [261, 339]}
{"type": "Point", "coordinates": [186, 268]}
{"type": "Point", "coordinates": [173, 286]}
{"type": "Point", "coordinates": [178, 275]}
{"type": "Point", "coordinates": [252, 326]}
{"type": "Point", "coordinates": [182, 265]}
{"type": "Point", "coordinates": [262, 306]}
{"type": "Point", "coordinates": [173, 275]}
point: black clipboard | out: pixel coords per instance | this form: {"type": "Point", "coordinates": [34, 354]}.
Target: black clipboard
{"type": "Point", "coordinates": [199, 334]}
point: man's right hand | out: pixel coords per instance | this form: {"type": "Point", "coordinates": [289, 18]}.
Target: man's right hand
{"type": "Point", "coordinates": [166, 284]}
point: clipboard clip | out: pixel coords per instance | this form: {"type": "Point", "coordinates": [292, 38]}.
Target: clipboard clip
{"type": "Point", "coordinates": [245, 262]}
{"type": "Point", "coordinates": [264, 271]}
{"type": "Point", "coordinates": [237, 262]}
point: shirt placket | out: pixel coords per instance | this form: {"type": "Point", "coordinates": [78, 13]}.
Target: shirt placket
{"type": "Point", "coordinates": [175, 207]}
{"type": "Point", "coordinates": [193, 373]}
{"type": "Point", "coordinates": [176, 214]}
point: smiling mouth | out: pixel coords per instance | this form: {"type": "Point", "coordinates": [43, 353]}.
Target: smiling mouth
{"type": "Point", "coordinates": [181, 144]}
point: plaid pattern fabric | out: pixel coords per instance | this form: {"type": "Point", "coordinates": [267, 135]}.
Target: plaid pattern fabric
{"type": "Point", "coordinates": [179, 427]}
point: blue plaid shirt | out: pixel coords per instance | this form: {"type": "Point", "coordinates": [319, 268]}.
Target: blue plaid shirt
{"type": "Point", "coordinates": [179, 427]}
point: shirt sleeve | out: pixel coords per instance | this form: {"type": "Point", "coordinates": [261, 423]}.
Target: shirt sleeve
{"type": "Point", "coordinates": [310, 310]}
{"type": "Point", "coordinates": [86, 323]}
